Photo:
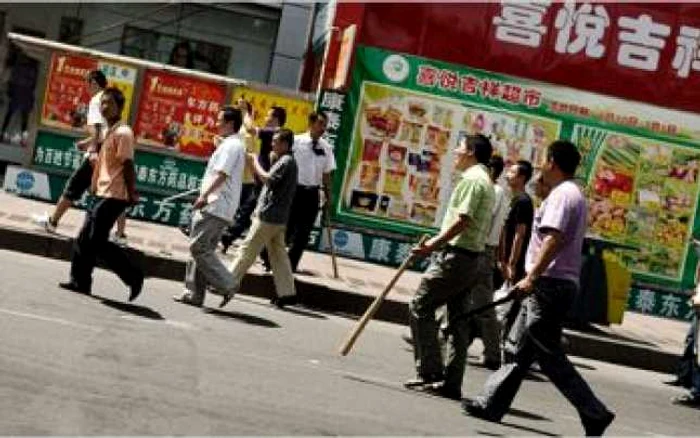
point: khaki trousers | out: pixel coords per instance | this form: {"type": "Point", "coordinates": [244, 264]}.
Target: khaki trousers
{"type": "Point", "coordinates": [271, 236]}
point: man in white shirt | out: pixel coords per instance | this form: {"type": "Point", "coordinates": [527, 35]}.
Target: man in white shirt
{"type": "Point", "coordinates": [81, 179]}
{"type": "Point", "coordinates": [214, 209]}
{"type": "Point", "coordinates": [315, 161]}
{"type": "Point", "coordinates": [485, 322]}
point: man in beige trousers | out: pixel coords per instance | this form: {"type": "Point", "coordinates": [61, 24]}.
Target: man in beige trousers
{"type": "Point", "coordinates": [270, 221]}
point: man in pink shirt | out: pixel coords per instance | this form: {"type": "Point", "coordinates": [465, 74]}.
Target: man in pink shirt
{"type": "Point", "coordinates": [553, 267]}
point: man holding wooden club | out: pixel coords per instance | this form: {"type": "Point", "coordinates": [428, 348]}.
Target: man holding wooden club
{"type": "Point", "coordinates": [452, 273]}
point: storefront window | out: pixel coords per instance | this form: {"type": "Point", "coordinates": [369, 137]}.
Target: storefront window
{"type": "Point", "coordinates": [168, 49]}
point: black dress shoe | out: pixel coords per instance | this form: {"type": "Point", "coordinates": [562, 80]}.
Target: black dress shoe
{"type": "Point", "coordinates": [492, 365]}
{"type": "Point", "coordinates": [475, 409]}
{"type": "Point", "coordinates": [136, 289]}
{"type": "Point", "coordinates": [280, 302]}
{"type": "Point", "coordinates": [186, 298]}
{"type": "Point", "coordinates": [422, 381]}
{"type": "Point", "coordinates": [674, 382]}
{"type": "Point", "coordinates": [597, 427]}
{"type": "Point", "coordinates": [686, 400]}
{"type": "Point", "coordinates": [75, 287]}
{"type": "Point", "coordinates": [227, 298]}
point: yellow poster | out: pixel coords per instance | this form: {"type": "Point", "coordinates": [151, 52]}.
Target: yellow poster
{"type": "Point", "coordinates": [298, 110]}
{"type": "Point", "coordinates": [121, 77]}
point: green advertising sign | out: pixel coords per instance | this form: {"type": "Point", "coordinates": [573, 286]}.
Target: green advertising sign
{"type": "Point", "coordinates": [154, 172]}
{"type": "Point", "coordinates": [150, 208]}
{"type": "Point", "coordinates": [404, 115]}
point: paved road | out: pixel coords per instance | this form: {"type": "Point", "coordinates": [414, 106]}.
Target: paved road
{"type": "Point", "coordinates": [75, 365]}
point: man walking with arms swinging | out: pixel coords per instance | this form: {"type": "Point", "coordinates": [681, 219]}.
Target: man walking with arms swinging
{"type": "Point", "coordinates": [452, 273]}
{"type": "Point", "coordinates": [553, 266]}
{"type": "Point", "coordinates": [213, 212]}
{"type": "Point", "coordinates": [114, 188]}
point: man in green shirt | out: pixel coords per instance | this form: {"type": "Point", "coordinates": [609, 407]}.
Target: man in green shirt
{"type": "Point", "coordinates": [452, 273]}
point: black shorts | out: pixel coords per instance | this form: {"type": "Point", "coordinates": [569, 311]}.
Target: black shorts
{"type": "Point", "coordinates": [79, 181]}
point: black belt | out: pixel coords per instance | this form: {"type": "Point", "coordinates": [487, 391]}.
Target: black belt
{"type": "Point", "coordinates": [299, 186]}
{"type": "Point", "coordinates": [461, 251]}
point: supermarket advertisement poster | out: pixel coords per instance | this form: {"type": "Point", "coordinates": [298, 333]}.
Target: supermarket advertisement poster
{"type": "Point", "coordinates": [405, 115]}
{"type": "Point", "coordinates": [642, 193]}
{"type": "Point", "coordinates": [178, 112]}
{"type": "Point", "coordinates": [67, 96]}
{"type": "Point", "coordinates": [401, 166]}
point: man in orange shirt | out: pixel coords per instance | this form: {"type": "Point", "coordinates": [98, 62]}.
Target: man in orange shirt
{"type": "Point", "coordinates": [114, 189]}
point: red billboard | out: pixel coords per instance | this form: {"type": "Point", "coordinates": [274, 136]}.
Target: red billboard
{"type": "Point", "coordinates": [645, 52]}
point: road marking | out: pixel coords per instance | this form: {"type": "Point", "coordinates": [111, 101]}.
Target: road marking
{"type": "Point", "coordinates": [49, 319]}
{"type": "Point", "coordinates": [170, 322]}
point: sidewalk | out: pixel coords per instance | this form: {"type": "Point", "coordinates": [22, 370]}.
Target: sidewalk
{"type": "Point", "coordinates": [641, 341]}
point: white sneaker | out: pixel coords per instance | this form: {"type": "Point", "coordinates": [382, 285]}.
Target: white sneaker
{"type": "Point", "coordinates": [119, 240]}
{"type": "Point", "coordinates": [44, 221]}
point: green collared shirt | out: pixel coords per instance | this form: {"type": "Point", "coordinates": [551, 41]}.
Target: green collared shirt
{"type": "Point", "coordinates": [473, 197]}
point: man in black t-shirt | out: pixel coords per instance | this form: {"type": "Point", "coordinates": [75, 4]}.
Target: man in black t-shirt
{"type": "Point", "coordinates": [516, 233]}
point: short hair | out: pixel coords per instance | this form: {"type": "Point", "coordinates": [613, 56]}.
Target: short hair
{"type": "Point", "coordinates": [314, 116]}
{"type": "Point", "coordinates": [232, 114]}
{"type": "Point", "coordinates": [524, 169]}
{"type": "Point", "coordinates": [496, 164]}
{"type": "Point", "coordinates": [117, 95]}
{"type": "Point", "coordinates": [287, 136]}
{"type": "Point", "coordinates": [99, 78]}
{"type": "Point", "coordinates": [481, 146]}
{"type": "Point", "coordinates": [280, 114]}
{"type": "Point", "coordinates": [565, 155]}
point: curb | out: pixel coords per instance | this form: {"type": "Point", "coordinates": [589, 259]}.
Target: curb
{"type": "Point", "coordinates": [339, 301]}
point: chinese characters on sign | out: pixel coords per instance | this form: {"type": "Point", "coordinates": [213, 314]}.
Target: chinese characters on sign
{"type": "Point", "coordinates": [469, 85]}
{"type": "Point", "coordinates": [583, 28]}
{"type": "Point", "coordinates": [67, 95]}
{"type": "Point", "coordinates": [331, 103]}
{"type": "Point", "coordinates": [178, 112]}
{"type": "Point", "coordinates": [667, 305]}
{"type": "Point", "coordinates": [153, 171]}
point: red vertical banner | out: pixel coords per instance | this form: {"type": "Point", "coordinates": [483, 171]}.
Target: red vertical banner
{"type": "Point", "coordinates": [67, 95]}
{"type": "Point", "coordinates": [178, 112]}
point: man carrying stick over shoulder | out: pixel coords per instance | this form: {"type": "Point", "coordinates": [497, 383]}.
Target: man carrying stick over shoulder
{"type": "Point", "coordinates": [452, 273]}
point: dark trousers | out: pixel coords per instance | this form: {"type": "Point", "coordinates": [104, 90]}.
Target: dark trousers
{"type": "Point", "coordinates": [79, 182]}
{"type": "Point", "coordinates": [242, 220]}
{"type": "Point", "coordinates": [687, 365]}
{"type": "Point", "coordinates": [537, 336]}
{"type": "Point", "coordinates": [448, 281]}
{"type": "Point", "coordinates": [305, 208]}
{"type": "Point", "coordinates": [93, 242]}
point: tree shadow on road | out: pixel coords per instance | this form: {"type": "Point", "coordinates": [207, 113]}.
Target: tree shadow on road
{"type": "Point", "coordinates": [134, 309]}
{"type": "Point", "coordinates": [242, 317]}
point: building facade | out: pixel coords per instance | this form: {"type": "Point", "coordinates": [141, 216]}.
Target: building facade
{"type": "Point", "coordinates": [261, 42]}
